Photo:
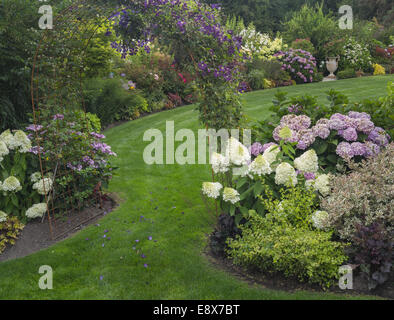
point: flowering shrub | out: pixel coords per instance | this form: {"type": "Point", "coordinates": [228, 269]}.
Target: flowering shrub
{"type": "Point", "coordinates": [274, 167]}
{"type": "Point", "coordinates": [347, 136]}
{"type": "Point", "coordinates": [300, 64]}
{"type": "Point", "coordinates": [75, 157]}
{"type": "Point", "coordinates": [213, 56]}
{"type": "Point", "coordinates": [20, 188]}
{"type": "Point", "coordinates": [356, 56]}
{"type": "Point", "coordinates": [259, 45]}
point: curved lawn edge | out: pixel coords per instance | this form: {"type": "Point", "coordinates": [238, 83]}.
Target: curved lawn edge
{"type": "Point", "coordinates": [162, 202]}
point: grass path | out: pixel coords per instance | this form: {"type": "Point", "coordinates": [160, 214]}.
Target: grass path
{"type": "Point", "coordinates": [162, 202]}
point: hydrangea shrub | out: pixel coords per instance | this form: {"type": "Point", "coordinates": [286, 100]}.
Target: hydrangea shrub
{"type": "Point", "coordinates": [300, 64]}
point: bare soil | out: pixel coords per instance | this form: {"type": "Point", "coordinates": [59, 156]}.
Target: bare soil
{"type": "Point", "coordinates": [37, 236]}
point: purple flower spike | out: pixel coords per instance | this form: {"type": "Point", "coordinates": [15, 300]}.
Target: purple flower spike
{"type": "Point", "coordinates": [150, 238]}
{"type": "Point", "coordinates": [145, 265]}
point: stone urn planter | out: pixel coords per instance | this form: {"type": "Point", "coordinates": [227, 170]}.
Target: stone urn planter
{"type": "Point", "coordinates": [332, 66]}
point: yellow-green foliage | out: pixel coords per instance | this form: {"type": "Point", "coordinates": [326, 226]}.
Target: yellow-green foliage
{"type": "Point", "coordinates": [378, 70]}
{"type": "Point", "coordinates": [285, 241]}
{"type": "Point", "coordinates": [308, 255]}
{"type": "Point", "coordinates": [9, 232]}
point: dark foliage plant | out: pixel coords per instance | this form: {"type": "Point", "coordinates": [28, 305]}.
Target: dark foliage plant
{"type": "Point", "coordinates": [372, 249]}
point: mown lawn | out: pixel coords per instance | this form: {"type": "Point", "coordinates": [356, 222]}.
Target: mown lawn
{"type": "Point", "coordinates": [162, 202]}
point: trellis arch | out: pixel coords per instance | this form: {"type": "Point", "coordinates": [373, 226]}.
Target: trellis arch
{"type": "Point", "coordinates": [58, 67]}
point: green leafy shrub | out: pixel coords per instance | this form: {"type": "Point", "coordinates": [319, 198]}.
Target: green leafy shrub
{"type": "Point", "coordinates": [303, 44]}
{"type": "Point", "coordinates": [256, 79]}
{"type": "Point", "coordinates": [9, 231]}
{"type": "Point", "coordinates": [346, 74]}
{"type": "Point", "coordinates": [311, 22]}
{"type": "Point", "coordinates": [308, 255]}
{"type": "Point", "coordinates": [112, 101]}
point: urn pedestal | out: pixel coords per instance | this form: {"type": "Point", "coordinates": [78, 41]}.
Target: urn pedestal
{"type": "Point", "coordinates": [332, 66]}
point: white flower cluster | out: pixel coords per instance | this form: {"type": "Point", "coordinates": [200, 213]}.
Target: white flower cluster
{"type": "Point", "coordinates": [15, 141]}
{"type": "Point", "coordinates": [43, 186]}
{"type": "Point", "coordinates": [260, 44]}
{"type": "Point", "coordinates": [260, 166]}
{"type": "Point", "coordinates": [3, 217]}
{"type": "Point", "coordinates": [220, 164]}
{"type": "Point", "coordinates": [285, 174]}
{"type": "Point", "coordinates": [237, 153]}
{"type": "Point", "coordinates": [3, 150]}
{"type": "Point", "coordinates": [231, 195]}
{"type": "Point", "coordinates": [319, 219]}
{"type": "Point", "coordinates": [321, 184]}
{"type": "Point", "coordinates": [11, 184]}
{"type": "Point", "coordinates": [308, 162]}
{"type": "Point", "coordinates": [35, 177]}
{"type": "Point", "coordinates": [271, 154]}
{"type": "Point", "coordinates": [212, 189]}
{"type": "Point", "coordinates": [36, 211]}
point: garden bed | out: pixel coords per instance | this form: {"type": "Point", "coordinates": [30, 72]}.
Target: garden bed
{"type": "Point", "coordinates": [36, 235]}
{"type": "Point", "coordinates": [276, 281]}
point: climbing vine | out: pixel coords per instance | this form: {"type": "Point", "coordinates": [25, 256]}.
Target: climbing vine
{"type": "Point", "coordinates": [200, 44]}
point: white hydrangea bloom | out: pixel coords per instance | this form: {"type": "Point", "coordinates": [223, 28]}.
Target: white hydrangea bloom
{"type": "Point", "coordinates": [8, 138]}
{"type": "Point", "coordinates": [220, 164]}
{"type": "Point", "coordinates": [231, 195]}
{"type": "Point", "coordinates": [285, 173]}
{"type": "Point", "coordinates": [260, 166]}
{"type": "Point", "coordinates": [22, 141]}
{"type": "Point", "coordinates": [11, 184]}
{"type": "Point", "coordinates": [36, 211]}
{"type": "Point", "coordinates": [43, 186]}
{"type": "Point", "coordinates": [271, 153]}
{"type": "Point", "coordinates": [308, 162]}
{"type": "Point", "coordinates": [3, 150]}
{"type": "Point", "coordinates": [35, 177]}
{"type": "Point", "coordinates": [319, 219]}
{"type": "Point", "coordinates": [3, 216]}
{"type": "Point", "coordinates": [237, 152]}
{"type": "Point", "coordinates": [211, 189]}
{"type": "Point", "coordinates": [322, 184]}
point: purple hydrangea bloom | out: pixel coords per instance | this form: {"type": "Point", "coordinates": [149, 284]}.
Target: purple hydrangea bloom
{"type": "Point", "coordinates": [359, 115]}
{"type": "Point", "coordinates": [371, 149]}
{"type": "Point", "coordinates": [350, 134]}
{"type": "Point", "coordinates": [309, 176]}
{"type": "Point", "coordinates": [379, 137]}
{"type": "Point", "coordinates": [321, 131]}
{"type": "Point", "coordinates": [344, 150]}
{"type": "Point", "coordinates": [267, 145]}
{"type": "Point", "coordinates": [358, 149]}
{"type": "Point", "coordinates": [306, 139]}
{"type": "Point", "coordinates": [365, 126]}
{"type": "Point", "coordinates": [58, 117]}
{"type": "Point", "coordinates": [256, 149]}
{"type": "Point", "coordinates": [34, 127]}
